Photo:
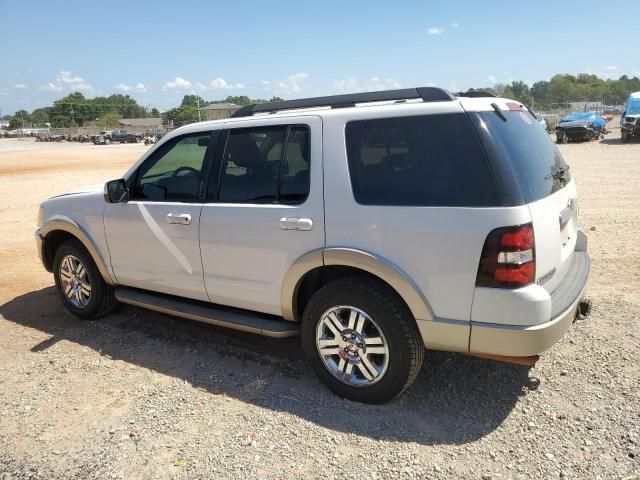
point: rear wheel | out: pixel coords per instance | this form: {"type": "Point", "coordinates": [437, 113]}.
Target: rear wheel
{"type": "Point", "coordinates": [79, 283]}
{"type": "Point", "coordinates": [107, 141]}
{"type": "Point", "coordinates": [361, 340]}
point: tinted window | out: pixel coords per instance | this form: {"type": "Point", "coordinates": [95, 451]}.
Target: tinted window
{"type": "Point", "coordinates": [434, 160]}
{"type": "Point", "coordinates": [266, 165]}
{"type": "Point", "coordinates": [521, 143]}
{"type": "Point", "coordinates": [175, 171]}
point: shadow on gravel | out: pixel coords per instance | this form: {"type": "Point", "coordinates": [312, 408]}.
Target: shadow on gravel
{"type": "Point", "coordinates": [456, 399]}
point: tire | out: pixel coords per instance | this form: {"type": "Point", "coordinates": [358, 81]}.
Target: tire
{"type": "Point", "coordinates": [624, 136]}
{"type": "Point", "coordinates": [107, 141]}
{"type": "Point", "coordinates": [100, 300]}
{"type": "Point", "coordinates": [386, 322]}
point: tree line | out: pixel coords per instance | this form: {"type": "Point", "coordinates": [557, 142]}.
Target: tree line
{"type": "Point", "coordinates": [76, 110]}
{"type": "Point", "coordinates": [564, 88]}
{"type": "Point", "coordinates": [187, 112]}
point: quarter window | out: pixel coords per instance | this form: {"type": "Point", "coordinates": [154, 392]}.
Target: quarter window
{"type": "Point", "coordinates": [433, 160]}
{"type": "Point", "coordinates": [266, 165]}
{"type": "Point", "coordinates": [175, 172]}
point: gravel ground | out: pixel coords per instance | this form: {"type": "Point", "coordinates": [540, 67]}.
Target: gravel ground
{"type": "Point", "coordinates": [140, 395]}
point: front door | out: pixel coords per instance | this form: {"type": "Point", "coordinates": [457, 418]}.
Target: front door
{"type": "Point", "coordinates": [153, 238]}
{"type": "Point", "coordinates": [264, 210]}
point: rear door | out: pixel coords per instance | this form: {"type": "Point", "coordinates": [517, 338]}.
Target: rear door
{"type": "Point", "coordinates": [264, 209]}
{"type": "Point", "coordinates": [516, 141]}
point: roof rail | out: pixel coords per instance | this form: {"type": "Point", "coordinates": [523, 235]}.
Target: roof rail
{"type": "Point", "coordinates": [427, 94]}
{"type": "Point", "coordinates": [475, 94]}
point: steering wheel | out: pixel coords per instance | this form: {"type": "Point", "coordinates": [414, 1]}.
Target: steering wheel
{"type": "Point", "coordinates": [179, 170]}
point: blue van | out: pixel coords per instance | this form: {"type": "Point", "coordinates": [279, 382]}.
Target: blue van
{"type": "Point", "coordinates": [630, 121]}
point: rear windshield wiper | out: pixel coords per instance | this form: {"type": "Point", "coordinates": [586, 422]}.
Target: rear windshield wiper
{"type": "Point", "coordinates": [558, 172]}
{"type": "Point", "coordinates": [499, 112]}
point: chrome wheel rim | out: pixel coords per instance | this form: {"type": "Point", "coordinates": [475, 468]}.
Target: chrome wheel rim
{"type": "Point", "coordinates": [352, 346]}
{"type": "Point", "coordinates": [74, 281]}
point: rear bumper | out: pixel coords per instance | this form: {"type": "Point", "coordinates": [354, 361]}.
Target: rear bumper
{"type": "Point", "coordinates": [527, 340]}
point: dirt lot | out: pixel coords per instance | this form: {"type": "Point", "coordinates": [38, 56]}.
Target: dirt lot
{"type": "Point", "coordinates": [140, 395]}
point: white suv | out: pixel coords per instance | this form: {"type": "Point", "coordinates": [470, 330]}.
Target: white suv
{"type": "Point", "coordinates": [373, 225]}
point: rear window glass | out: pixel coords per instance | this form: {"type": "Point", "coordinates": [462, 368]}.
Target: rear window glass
{"type": "Point", "coordinates": [522, 143]}
{"type": "Point", "coordinates": [434, 160]}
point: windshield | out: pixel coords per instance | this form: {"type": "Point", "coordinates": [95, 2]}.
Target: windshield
{"type": "Point", "coordinates": [522, 143]}
{"type": "Point", "coordinates": [633, 108]}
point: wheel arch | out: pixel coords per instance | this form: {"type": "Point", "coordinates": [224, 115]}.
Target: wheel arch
{"type": "Point", "coordinates": [314, 269]}
{"type": "Point", "coordinates": [61, 228]}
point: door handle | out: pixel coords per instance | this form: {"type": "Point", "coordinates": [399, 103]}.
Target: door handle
{"type": "Point", "coordinates": [179, 218]}
{"type": "Point", "coordinates": [295, 223]}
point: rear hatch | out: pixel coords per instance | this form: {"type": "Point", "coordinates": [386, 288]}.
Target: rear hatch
{"type": "Point", "coordinates": [521, 151]}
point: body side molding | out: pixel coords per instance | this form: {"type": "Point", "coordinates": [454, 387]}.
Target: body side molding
{"type": "Point", "coordinates": [66, 224]}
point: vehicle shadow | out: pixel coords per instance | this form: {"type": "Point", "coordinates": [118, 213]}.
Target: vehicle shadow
{"type": "Point", "coordinates": [456, 399]}
{"type": "Point", "coordinates": [611, 141]}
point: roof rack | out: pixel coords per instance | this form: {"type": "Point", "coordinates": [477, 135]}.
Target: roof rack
{"type": "Point", "coordinates": [475, 94]}
{"type": "Point", "coordinates": [427, 94]}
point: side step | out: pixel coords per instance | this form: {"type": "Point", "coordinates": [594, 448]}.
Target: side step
{"type": "Point", "coordinates": [267, 325]}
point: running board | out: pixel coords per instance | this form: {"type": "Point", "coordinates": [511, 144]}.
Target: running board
{"type": "Point", "coordinates": [267, 325]}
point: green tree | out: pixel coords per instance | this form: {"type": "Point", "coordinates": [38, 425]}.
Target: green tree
{"type": "Point", "coordinates": [40, 116]}
{"type": "Point", "coordinates": [155, 112]}
{"type": "Point", "coordinates": [15, 123]}
{"type": "Point", "coordinates": [193, 101]}
{"type": "Point", "coordinates": [181, 115]}
{"type": "Point", "coordinates": [109, 120]}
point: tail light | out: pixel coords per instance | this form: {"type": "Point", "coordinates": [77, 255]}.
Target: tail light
{"type": "Point", "coordinates": [508, 258]}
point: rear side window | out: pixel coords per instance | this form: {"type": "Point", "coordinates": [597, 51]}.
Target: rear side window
{"type": "Point", "coordinates": [434, 160]}
{"type": "Point", "coordinates": [521, 143]}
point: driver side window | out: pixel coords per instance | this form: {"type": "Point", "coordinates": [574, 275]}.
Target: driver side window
{"type": "Point", "coordinates": [175, 172]}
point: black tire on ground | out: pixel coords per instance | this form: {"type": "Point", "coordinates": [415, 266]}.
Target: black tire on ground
{"type": "Point", "coordinates": [107, 141]}
{"type": "Point", "coordinates": [102, 299]}
{"type": "Point", "coordinates": [565, 139]}
{"type": "Point", "coordinates": [385, 307]}
{"type": "Point", "coordinates": [624, 137]}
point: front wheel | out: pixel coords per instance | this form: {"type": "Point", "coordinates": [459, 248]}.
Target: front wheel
{"type": "Point", "coordinates": [361, 340]}
{"type": "Point", "coordinates": [79, 283]}
{"type": "Point", "coordinates": [624, 136]}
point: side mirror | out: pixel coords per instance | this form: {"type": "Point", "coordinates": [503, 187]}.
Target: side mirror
{"type": "Point", "coordinates": [116, 191]}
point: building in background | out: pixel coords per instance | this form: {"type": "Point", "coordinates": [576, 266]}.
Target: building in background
{"type": "Point", "coordinates": [216, 111]}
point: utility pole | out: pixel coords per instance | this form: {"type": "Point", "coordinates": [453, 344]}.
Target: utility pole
{"type": "Point", "coordinates": [198, 103]}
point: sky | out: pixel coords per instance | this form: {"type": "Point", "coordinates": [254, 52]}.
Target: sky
{"type": "Point", "coordinates": [159, 51]}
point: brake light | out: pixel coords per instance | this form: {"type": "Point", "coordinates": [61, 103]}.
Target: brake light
{"type": "Point", "coordinates": [508, 258]}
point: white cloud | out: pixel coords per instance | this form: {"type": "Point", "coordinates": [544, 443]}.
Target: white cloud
{"type": "Point", "coordinates": [435, 30]}
{"type": "Point", "coordinates": [491, 80]}
{"type": "Point", "coordinates": [82, 87]}
{"type": "Point", "coordinates": [455, 24]}
{"type": "Point", "coordinates": [372, 84]}
{"type": "Point", "coordinates": [52, 87]}
{"type": "Point", "coordinates": [177, 84]}
{"type": "Point", "coordinates": [611, 67]}
{"type": "Point", "coordinates": [292, 84]}
{"type": "Point", "coordinates": [65, 79]}
{"type": "Point", "coordinates": [20, 86]}
{"type": "Point", "coordinates": [138, 87]}
{"type": "Point", "coordinates": [220, 83]}
{"type": "Point", "coordinates": [3, 93]}
{"type": "Point", "coordinates": [201, 87]}
{"type": "Point", "coordinates": [265, 82]}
